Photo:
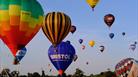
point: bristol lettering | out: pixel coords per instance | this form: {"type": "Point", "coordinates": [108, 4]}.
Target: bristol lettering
{"type": "Point", "coordinates": [60, 56]}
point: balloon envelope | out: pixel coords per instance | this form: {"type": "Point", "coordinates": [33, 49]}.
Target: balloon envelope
{"type": "Point", "coordinates": [135, 42]}
{"type": "Point", "coordinates": [20, 20]}
{"type": "Point", "coordinates": [83, 47]}
{"type": "Point", "coordinates": [123, 33]}
{"type": "Point", "coordinates": [125, 68]}
{"type": "Point", "coordinates": [63, 57]}
{"type": "Point", "coordinates": [92, 43]}
{"type": "Point", "coordinates": [75, 58]}
{"type": "Point", "coordinates": [109, 19]}
{"type": "Point", "coordinates": [133, 47]}
{"type": "Point", "coordinates": [102, 48]}
{"type": "Point", "coordinates": [19, 55]}
{"type": "Point", "coordinates": [92, 3]}
{"type": "Point", "coordinates": [80, 41]}
{"type": "Point", "coordinates": [111, 35]}
{"type": "Point", "coordinates": [57, 26]}
{"type": "Point", "coordinates": [73, 29]}
{"type": "Point", "coordinates": [87, 63]}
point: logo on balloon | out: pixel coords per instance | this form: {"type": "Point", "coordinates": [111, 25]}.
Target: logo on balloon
{"type": "Point", "coordinates": [60, 57]}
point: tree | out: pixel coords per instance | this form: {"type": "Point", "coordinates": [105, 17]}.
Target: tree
{"type": "Point", "coordinates": [5, 72]}
{"type": "Point", "coordinates": [15, 73]}
{"type": "Point", "coordinates": [36, 74]}
{"type": "Point", "coordinates": [78, 73]}
{"type": "Point", "coordinates": [43, 73]}
{"type": "Point", "coordinates": [91, 75]}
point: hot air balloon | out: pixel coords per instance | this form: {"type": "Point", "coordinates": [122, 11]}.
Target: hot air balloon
{"type": "Point", "coordinates": [92, 43]}
{"type": "Point", "coordinates": [133, 47]}
{"type": "Point", "coordinates": [123, 33]}
{"type": "Point", "coordinates": [68, 41]}
{"type": "Point", "coordinates": [127, 67]}
{"type": "Point", "coordinates": [87, 63]}
{"type": "Point", "coordinates": [109, 19]}
{"type": "Point", "coordinates": [63, 57]}
{"type": "Point", "coordinates": [102, 48]}
{"type": "Point", "coordinates": [75, 58]}
{"type": "Point", "coordinates": [80, 41]}
{"type": "Point", "coordinates": [20, 20]}
{"type": "Point", "coordinates": [50, 70]}
{"type": "Point", "coordinates": [83, 47]}
{"type": "Point", "coordinates": [135, 42]}
{"type": "Point", "coordinates": [92, 3]}
{"type": "Point", "coordinates": [57, 26]}
{"type": "Point", "coordinates": [19, 55]}
{"type": "Point", "coordinates": [111, 35]}
{"type": "Point", "coordinates": [73, 29]}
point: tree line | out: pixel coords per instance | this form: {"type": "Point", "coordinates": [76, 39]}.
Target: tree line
{"type": "Point", "coordinates": [77, 73]}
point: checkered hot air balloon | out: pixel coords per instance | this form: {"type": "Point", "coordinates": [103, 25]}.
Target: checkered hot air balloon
{"type": "Point", "coordinates": [125, 68]}
{"type": "Point", "coordinates": [20, 20]}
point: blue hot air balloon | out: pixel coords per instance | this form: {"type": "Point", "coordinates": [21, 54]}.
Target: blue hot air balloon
{"type": "Point", "coordinates": [133, 47]}
{"type": "Point", "coordinates": [19, 55]}
{"type": "Point", "coordinates": [80, 41]}
{"type": "Point", "coordinates": [111, 35]}
{"type": "Point", "coordinates": [62, 57]}
{"type": "Point", "coordinates": [135, 42]}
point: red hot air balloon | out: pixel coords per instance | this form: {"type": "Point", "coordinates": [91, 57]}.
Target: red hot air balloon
{"type": "Point", "coordinates": [127, 67]}
{"type": "Point", "coordinates": [72, 29]}
{"type": "Point", "coordinates": [109, 19]}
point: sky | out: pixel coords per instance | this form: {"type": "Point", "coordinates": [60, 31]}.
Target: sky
{"type": "Point", "coordinates": [90, 26]}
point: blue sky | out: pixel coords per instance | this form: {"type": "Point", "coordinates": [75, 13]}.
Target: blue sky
{"type": "Point", "coordinates": [90, 26]}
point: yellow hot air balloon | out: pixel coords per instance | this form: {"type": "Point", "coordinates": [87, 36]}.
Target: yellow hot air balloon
{"type": "Point", "coordinates": [92, 43]}
{"type": "Point", "coordinates": [57, 26]}
{"type": "Point", "coordinates": [92, 3]}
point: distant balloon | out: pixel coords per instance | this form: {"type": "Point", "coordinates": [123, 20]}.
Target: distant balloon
{"type": "Point", "coordinates": [109, 19]}
{"type": "Point", "coordinates": [50, 70]}
{"type": "Point", "coordinates": [92, 3]}
{"type": "Point", "coordinates": [83, 47]}
{"type": "Point", "coordinates": [87, 63]}
{"type": "Point", "coordinates": [73, 29]}
{"type": "Point", "coordinates": [48, 65]}
{"type": "Point", "coordinates": [127, 67]}
{"type": "Point", "coordinates": [133, 47]}
{"type": "Point", "coordinates": [19, 55]}
{"type": "Point", "coordinates": [123, 33]}
{"type": "Point", "coordinates": [92, 43]}
{"type": "Point", "coordinates": [63, 57]}
{"type": "Point", "coordinates": [111, 35]}
{"type": "Point", "coordinates": [135, 42]}
{"type": "Point", "coordinates": [80, 41]}
{"type": "Point", "coordinates": [68, 41]}
{"type": "Point", "coordinates": [75, 58]}
{"type": "Point", "coordinates": [102, 48]}
{"type": "Point", "coordinates": [57, 26]}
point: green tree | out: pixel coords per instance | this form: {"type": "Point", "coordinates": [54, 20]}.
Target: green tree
{"type": "Point", "coordinates": [36, 74]}
{"type": "Point", "coordinates": [78, 73]}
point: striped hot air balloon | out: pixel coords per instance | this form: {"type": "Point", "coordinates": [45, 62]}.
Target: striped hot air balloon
{"type": "Point", "coordinates": [20, 20]}
{"type": "Point", "coordinates": [57, 26]}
